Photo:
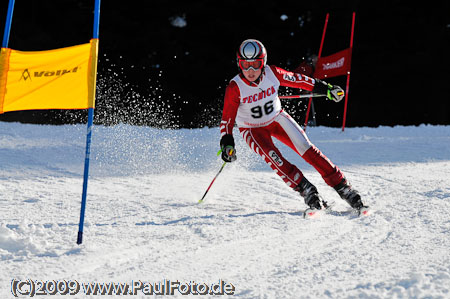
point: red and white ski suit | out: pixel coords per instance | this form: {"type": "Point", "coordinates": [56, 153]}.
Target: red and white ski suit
{"type": "Point", "coordinates": [257, 111]}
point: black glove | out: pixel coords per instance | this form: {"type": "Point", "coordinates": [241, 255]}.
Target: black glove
{"type": "Point", "coordinates": [227, 148]}
{"type": "Point", "coordinates": [332, 92]}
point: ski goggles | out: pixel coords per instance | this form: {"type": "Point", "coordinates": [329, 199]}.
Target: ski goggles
{"type": "Point", "coordinates": [254, 64]}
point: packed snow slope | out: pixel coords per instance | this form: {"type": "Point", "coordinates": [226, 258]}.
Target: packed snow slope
{"type": "Point", "coordinates": [143, 222]}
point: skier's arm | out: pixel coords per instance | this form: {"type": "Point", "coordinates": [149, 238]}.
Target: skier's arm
{"type": "Point", "coordinates": [294, 80]}
{"type": "Point", "coordinates": [297, 80]}
{"type": "Point", "coordinates": [230, 108]}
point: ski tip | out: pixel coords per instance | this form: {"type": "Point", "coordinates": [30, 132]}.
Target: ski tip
{"type": "Point", "coordinates": [364, 211]}
{"type": "Point", "coordinates": [311, 213]}
{"type": "Point", "coordinates": [307, 215]}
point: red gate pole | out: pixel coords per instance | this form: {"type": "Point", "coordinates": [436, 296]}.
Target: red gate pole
{"type": "Point", "coordinates": [320, 53]}
{"type": "Point", "coordinates": [348, 74]}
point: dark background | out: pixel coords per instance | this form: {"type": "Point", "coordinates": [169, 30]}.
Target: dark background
{"type": "Point", "coordinates": [154, 73]}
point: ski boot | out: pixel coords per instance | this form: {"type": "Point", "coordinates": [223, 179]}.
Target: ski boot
{"type": "Point", "coordinates": [309, 192]}
{"type": "Point", "coordinates": [351, 196]}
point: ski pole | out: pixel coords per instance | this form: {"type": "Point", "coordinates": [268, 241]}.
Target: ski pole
{"type": "Point", "coordinates": [299, 96]}
{"type": "Point", "coordinates": [220, 170]}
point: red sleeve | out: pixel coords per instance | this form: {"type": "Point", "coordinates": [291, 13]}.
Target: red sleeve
{"type": "Point", "coordinates": [230, 108]}
{"type": "Point", "coordinates": [295, 80]}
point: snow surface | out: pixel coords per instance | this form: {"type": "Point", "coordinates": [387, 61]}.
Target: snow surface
{"type": "Point", "coordinates": [143, 221]}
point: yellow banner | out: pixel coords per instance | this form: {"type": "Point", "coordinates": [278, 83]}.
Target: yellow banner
{"type": "Point", "coordinates": [55, 79]}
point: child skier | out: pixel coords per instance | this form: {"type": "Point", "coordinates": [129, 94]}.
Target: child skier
{"type": "Point", "coordinates": [251, 100]}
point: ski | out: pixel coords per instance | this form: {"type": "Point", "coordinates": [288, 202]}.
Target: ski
{"type": "Point", "coordinates": [364, 211]}
{"type": "Point", "coordinates": [315, 213]}
{"type": "Point", "coordinates": [312, 213]}
{"type": "Point", "coordinates": [327, 209]}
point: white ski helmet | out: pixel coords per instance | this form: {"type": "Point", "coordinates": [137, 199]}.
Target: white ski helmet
{"type": "Point", "coordinates": [251, 54]}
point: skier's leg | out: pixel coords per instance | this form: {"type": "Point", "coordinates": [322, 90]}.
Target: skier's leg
{"type": "Point", "coordinates": [291, 134]}
{"type": "Point", "coordinates": [260, 141]}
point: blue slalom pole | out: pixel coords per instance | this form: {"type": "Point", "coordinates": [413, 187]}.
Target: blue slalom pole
{"type": "Point", "coordinates": [8, 24]}
{"type": "Point", "coordinates": [96, 18]}
{"type": "Point", "coordinates": [88, 137]}
{"type": "Point", "coordinates": [86, 174]}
